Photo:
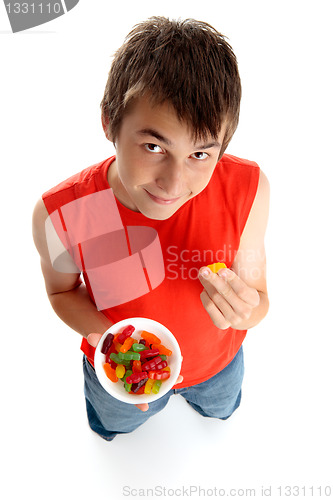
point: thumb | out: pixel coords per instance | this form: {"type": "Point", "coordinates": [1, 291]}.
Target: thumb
{"type": "Point", "coordinates": [93, 339]}
{"type": "Point", "coordinates": [143, 406]}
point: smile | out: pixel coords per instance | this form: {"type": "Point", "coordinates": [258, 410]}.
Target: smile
{"type": "Point", "coordinates": [162, 201]}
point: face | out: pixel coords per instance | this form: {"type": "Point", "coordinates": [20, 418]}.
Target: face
{"type": "Point", "coordinates": [158, 168]}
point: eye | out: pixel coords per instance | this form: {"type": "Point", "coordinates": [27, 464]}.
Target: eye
{"type": "Point", "coordinates": [153, 148]}
{"type": "Point", "coordinates": [199, 155]}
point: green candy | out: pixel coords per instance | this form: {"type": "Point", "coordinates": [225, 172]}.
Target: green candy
{"type": "Point", "coordinates": [128, 356]}
{"type": "Point", "coordinates": [119, 361]}
{"type": "Point", "coordinates": [156, 386]}
{"type": "Point", "coordinates": [139, 347]}
{"type": "Point", "coordinates": [126, 385]}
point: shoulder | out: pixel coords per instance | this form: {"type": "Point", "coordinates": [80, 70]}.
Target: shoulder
{"type": "Point", "coordinates": [256, 223]}
{"type": "Point", "coordinates": [39, 216]}
{"type": "Point", "coordinates": [87, 181]}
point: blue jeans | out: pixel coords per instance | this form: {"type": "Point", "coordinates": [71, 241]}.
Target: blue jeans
{"type": "Point", "coordinates": [217, 397]}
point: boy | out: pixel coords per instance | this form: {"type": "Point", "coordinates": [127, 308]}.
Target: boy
{"type": "Point", "coordinates": [143, 225]}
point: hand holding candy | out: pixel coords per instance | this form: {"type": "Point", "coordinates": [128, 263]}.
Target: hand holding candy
{"type": "Point", "coordinates": [228, 300]}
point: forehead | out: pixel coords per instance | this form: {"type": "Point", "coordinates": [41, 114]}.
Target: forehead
{"type": "Point", "coordinates": [144, 114]}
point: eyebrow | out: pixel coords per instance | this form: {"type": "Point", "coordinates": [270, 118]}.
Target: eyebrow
{"type": "Point", "coordinates": [153, 133]}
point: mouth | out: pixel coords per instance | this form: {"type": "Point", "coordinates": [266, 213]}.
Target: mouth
{"type": "Point", "coordinates": [162, 201]}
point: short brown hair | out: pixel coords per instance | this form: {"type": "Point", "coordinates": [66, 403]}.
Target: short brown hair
{"type": "Point", "coordinates": [185, 62]}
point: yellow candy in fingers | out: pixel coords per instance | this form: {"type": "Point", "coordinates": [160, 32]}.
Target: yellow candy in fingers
{"type": "Point", "coordinates": [216, 266]}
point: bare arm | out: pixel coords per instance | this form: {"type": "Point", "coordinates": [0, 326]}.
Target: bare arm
{"type": "Point", "coordinates": [66, 291]}
{"type": "Point", "coordinates": [238, 297]}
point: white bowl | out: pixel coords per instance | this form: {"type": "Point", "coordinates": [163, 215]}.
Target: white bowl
{"type": "Point", "coordinates": [116, 389]}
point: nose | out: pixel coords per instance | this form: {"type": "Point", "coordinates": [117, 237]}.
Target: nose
{"type": "Point", "coordinates": [172, 178]}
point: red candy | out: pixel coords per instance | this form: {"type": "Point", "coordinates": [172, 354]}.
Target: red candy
{"type": "Point", "coordinates": [150, 365]}
{"type": "Point", "coordinates": [126, 333]}
{"type": "Point", "coordinates": [136, 377]}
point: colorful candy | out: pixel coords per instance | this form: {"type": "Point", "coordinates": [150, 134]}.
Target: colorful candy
{"type": "Point", "coordinates": [128, 355]}
{"type": "Point", "coordinates": [216, 266]}
{"type": "Point", "coordinates": [136, 377]}
{"type": "Point", "coordinates": [141, 365]}
{"type": "Point", "coordinates": [107, 343]}
{"type": "Point", "coordinates": [150, 365]}
{"type": "Point", "coordinates": [125, 333]}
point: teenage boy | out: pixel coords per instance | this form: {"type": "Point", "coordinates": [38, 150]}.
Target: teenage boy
{"type": "Point", "coordinates": [142, 226]}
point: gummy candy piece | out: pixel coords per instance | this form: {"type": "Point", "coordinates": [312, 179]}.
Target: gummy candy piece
{"type": "Point", "coordinates": [127, 344]}
{"type": "Point", "coordinates": [110, 372]}
{"type": "Point", "coordinates": [162, 349]}
{"type": "Point", "coordinates": [156, 386]}
{"type": "Point", "coordinates": [107, 343]}
{"type": "Point", "coordinates": [159, 375]}
{"type": "Point", "coordinates": [136, 377]}
{"type": "Point", "coordinates": [139, 388]}
{"type": "Point", "coordinates": [120, 371]}
{"type": "Point", "coordinates": [148, 353]}
{"type": "Point", "coordinates": [126, 385]}
{"type": "Point", "coordinates": [216, 266]}
{"type": "Point", "coordinates": [138, 347]}
{"type": "Point", "coordinates": [149, 384]}
{"type": "Point", "coordinates": [127, 332]}
{"type": "Point", "coordinates": [128, 355]}
{"type": "Point", "coordinates": [150, 365]}
{"type": "Point", "coordinates": [136, 366]}
{"type": "Point", "coordinates": [150, 337]}
{"type": "Point", "coordinates": [161, 365]}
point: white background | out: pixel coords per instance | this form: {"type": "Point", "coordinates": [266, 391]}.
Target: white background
{"type": "Point", "coordinates": [52, 81]}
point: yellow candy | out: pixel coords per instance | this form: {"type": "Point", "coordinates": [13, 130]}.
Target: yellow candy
{"type": "Point", "coordinates": [120, 371]}
{"type": "Point", "coordinates": [148, 385]}
{"type": "Point", "coordinates": [216, 266]}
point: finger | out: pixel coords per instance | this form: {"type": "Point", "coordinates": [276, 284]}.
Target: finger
{"type": "Point", "coordinates": [94, 338]}
{"type": "Point", "coordinates": [243, 291]}
{"type": "Point", "coordinates": [179, 379]}
{"type": "Point", "coordinates": [221, 293]}
{"type": "Point", "coordinates": [215, 313]}
{"type": "Point", "coordinates": [143, 406]}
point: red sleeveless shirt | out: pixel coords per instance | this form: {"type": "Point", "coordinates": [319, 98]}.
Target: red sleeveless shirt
{"type": "Point", "coordinates": [150, 267]}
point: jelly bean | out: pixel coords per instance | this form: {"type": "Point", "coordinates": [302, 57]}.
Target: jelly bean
{"type": "Point", "coordinates": [149, 352]}
{"type": "Point", "coordinates": [138, 347]}
{"type": "Point", "coordinates": [216, 266]}
{"type": "Point", "coordinates": [126, 385]}
{"type": "Point", "coordinates": [127, 332]}
{"type": "Point", "coordinates": [136, 377]}
{"type": "Point", "coordinates": [136, 366]}
{"type": "Point", "coordinates": [115, 357]}
{"type": "Point", "coordinates": [136, 386]}
{"type": "Point", "coordinates": [163, 357]}
{"type": "Point", "coordinates": [117, 345]}
{"type": "Point", "coordinates": [110, 372]}
{"type": "Point", "coordinates": [162, 349]}
{"type": "Point", "coordinates": [150, 337]}
{"type": "Point", "coordinates": [159, 375]}
{"type": "Point", "coordinates": [150, 365]}
{"type": "Point", "coordinates": [140, 390]}
{"type": "Point", "coordinates": [156, 386]}
{"type": "Point", "coordinates": [161, 365]}
{"type": "Point", "coordinates": [149, 384]}
{"type": "Point", "coordinates": [107, 343]}
{"type": "Point", "coordinates": [127, 345]}
{"type": "Point", "coordinates": [120, 371]}
{"type": "Point", "coordinates": [128, 355]}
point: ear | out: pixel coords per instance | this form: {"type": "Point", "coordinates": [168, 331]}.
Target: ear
{"type": "Point", "coordinates": [105, 125]}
